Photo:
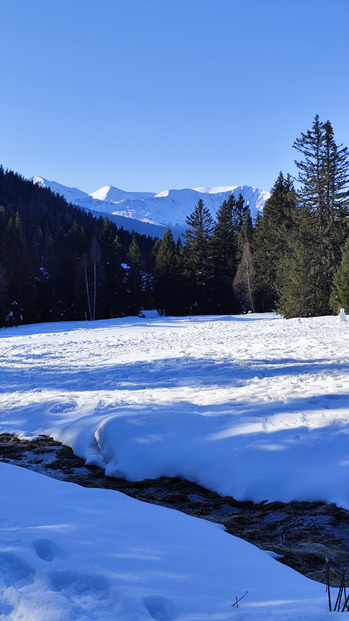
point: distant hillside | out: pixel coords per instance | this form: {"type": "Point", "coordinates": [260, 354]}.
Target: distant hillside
{"type": "Point", "coordinates": [58, 261]}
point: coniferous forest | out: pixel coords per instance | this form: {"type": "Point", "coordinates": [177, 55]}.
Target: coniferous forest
{"type": "Point", "coordinates": [58, 262]}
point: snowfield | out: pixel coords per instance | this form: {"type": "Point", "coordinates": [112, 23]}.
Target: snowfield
{"type": "Point", "coordinates": [251, 406]}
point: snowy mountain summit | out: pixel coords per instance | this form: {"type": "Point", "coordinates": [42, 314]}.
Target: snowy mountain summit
{"type": "Point", "coordinates": [152, 213]}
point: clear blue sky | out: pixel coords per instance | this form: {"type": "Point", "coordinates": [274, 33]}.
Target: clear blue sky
{"type": "Point", "coordinates": [158, 94]}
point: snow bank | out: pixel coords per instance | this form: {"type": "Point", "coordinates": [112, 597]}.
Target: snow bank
{"type": "Point", "coordinates": [255, 407]}
{"type": "Point", "coordinates": [74, 554]}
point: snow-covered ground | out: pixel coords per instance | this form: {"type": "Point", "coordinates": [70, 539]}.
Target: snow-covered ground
{"type": "Point", "coordinates": [252, 406]}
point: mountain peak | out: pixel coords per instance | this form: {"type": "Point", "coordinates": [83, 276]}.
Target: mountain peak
{"type": "Point", "coordinates": [111, 194]}
{"type": "Point", "coordinates": [217, 189]}
{"type": "Point", "coordinates": [71, 195]}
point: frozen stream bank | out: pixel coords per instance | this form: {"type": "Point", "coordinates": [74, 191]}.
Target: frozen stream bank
{"type": "Point", "coordinates": [303, 534]}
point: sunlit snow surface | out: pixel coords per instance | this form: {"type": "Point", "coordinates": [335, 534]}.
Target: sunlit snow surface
{"type": "Point", "coordinates": [256, 407]}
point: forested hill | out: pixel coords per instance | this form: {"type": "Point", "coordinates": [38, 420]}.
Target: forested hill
{"type": "Point", "coordinates": [58, 262]}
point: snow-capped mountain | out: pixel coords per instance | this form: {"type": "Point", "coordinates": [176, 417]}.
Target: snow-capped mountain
{"type": "Point", "coordinates": [114, 195]}
{"type": "Point", "coordinates": [70, 194]}
{"type": "Point", "coordinates": [151, 213]}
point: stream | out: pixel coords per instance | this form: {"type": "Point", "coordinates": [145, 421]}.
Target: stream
{"type": "Point", "coordinates": [302, 535]}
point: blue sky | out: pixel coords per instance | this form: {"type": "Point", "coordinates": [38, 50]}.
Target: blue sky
{"type": "Point", "coordinates": [158, 94]}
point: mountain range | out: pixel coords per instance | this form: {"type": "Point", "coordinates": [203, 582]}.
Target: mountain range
{"type": "Point", "coordinates": [151, 213]}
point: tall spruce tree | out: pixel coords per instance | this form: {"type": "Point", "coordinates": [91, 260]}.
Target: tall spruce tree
{"type": "Point", "coordinates": [323, 175]}
{"type": "Point", "coordinates": [18, 263]}
{"type": "Point", "coordinates": [271, 242]}
{"type": "Point", "coordinates": [302, 290]}
{"type": "Point", "coordinates": [112, 285]}
{"type": "Point", "coordinates": [239, 211]}
{"type": "Point", "coordinates": [135, 277]}
{"type": "Point", "coordinates": [223, 251]}
{"type": "Point", "coordinates": [245, 234]}
{"type": "Point", "coordinates": [4, 297]}
{"type": "Point", "coordinates": [197, 261]}
{"type": "Point", "coordinates": [167, 285]}
{"type": "Point", "coordinates": [340, 288]}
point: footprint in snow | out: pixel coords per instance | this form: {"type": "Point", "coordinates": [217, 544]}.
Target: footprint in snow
{"type": "Point", "coordinates": [14, 571]}
{"type": "Point", "coordinates": [89, 592]}
{"type": "Point", "coordinates": [47, 550]}
{"type": "Point", "coordinates": [160, 608]}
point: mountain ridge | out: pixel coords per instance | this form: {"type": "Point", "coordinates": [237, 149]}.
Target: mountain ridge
{"type": "Point", "coordinates": [147, 211]}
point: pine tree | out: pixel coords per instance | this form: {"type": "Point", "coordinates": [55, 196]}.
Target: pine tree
{"type": "Point", "coordinates": [271, 239]}
{"type": "Point", "coordinates": [340, 289]}
{"type": "Point", "coordinates": [239, 211]}
{"type": "Point", "coordinates": [4, 297]}
{"type": "Point", "coordinates": [113, 293]}
{"type": "Point", "coordinates": [223, 252]}
{"type": "Point", "coordinates": [18, 264]}
{"type": "Point", "coordinates": [302, 292]}
{"type": "Point", "coordinates": [167, 286]}
{"type": "Point", "coordinates": [323, 174]}
{"type": "Point", "coordinates": [197, 264]}
{"type": "Point", "coordinates": [73, 280]}
{"type": "Point", "coordinates": [324, 195]}
{"type": "Point", "coordinates": [245, 234]}
{"type": "Point", "coordinates": [135, 277]}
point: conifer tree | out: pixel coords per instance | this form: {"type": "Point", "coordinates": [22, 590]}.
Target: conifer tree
{"type": "Point", "coordinates": [323, 173]}
{"type": "Point", "coordinates": [135, 277]}
{"type": "Point", "coordinates": [73, 283]}
{"type": "Point", "coordinates": [271, 238]}
{"type": "Point", "coordinates": [18, 263]}
{"type": "Point", "coordinates": [223, 252]}
{"type": "Point", "coordinates": [239, 210]}
{"type": "Point", "coordinates": [113, 293]}
{"type": "Point", "coordinates": [4, 299]}
{"type": "Point", "coordinates": [167, 289]}
{"type": "Point", "coordinates": [197, 264]}
{"type": "Point", "coordinates": [245, 234]}
{"type": "Point", "coordinates": [340, 289]}
{"type": "Point", "coordinates": [302, 291]}
{"type": "Point", "coordinates": [324, 195]}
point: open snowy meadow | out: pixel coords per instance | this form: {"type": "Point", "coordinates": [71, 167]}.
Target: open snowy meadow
{"type": "Point", "coordinates": [255, 406]}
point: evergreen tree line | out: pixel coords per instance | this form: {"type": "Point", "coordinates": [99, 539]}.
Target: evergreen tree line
{"type": "Point", "coordinates": [300, 245]}
{"type": "Point", "coordinates": [58, 262]}
{"type": "Point", "coordinates": [293, 259]}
